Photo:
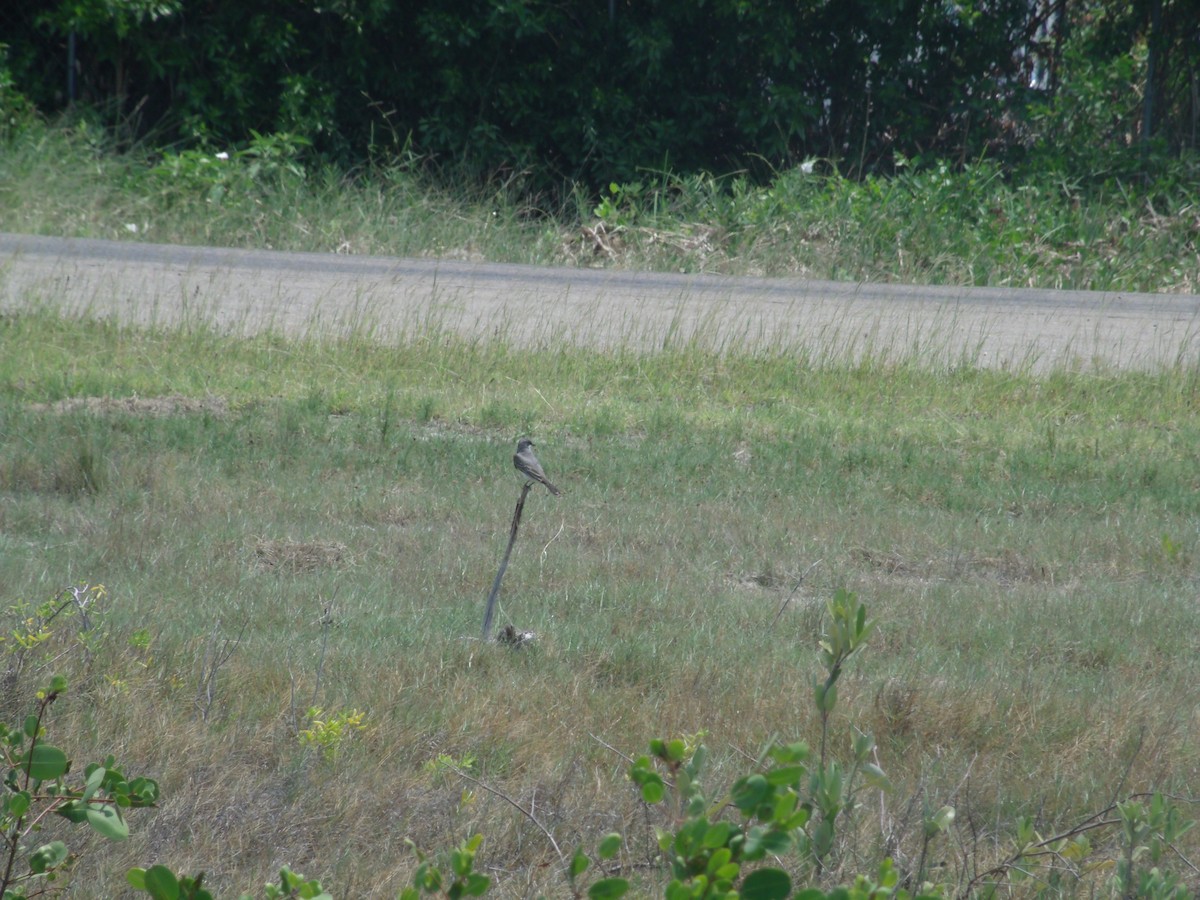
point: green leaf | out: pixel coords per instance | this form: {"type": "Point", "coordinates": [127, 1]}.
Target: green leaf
{"type": "Point", "coordinates": [161, 883]}
{"type": "Point", "coordinates": [47, 857]}
{"type": "Point", "coordinates": [608, 889]}
{"type": "Point", "coordinates": [461, 862]}
{"type": "Point", "coordinates": [428, 877]}
{"type": "Point", "coordinates": [31, 726]}
{"type": "Point", "coordinates": [888, 876]}
{"type": "Point", "coordinates": [93, 783]}
{"type": "Point", "coordinates": [107, 821]}
{"type": "Point", "coordinates": [939, 821]}
{"type": "Point", "coordinates": [143, 792]}
{"type": "Point", "coordinates": [785, 804]}
{"type": "Point", "coordinates": [579, 863]}
{"type": "Point", "coordinates": [477, 885]}
{"type": "Point", "coordinates": [766, 884]}
{"type": "Point", "coordinates": [18, 804]}
{"type": "Point", "coordinates": [1025, 832]}
{"type": "Point", "coordinates": [760, 841]}
{"type": "Point", "coordinates": [785, 775]}
{"type": "Point", "coordinates": [822, 838]}
{"type": "Point", "coordinates": [726, 873]}
{"type": "Point", "coordinates": [876, 777]}
{"type": "Point", "coordinates": [289, 881]}
{"type": "Point", "coordinates": [136, 878]}
{"type": "Point", "coordinates": [863, 745]}
{"type": "Point", "coordinates": [720, 858]}
{"type": "Point", "coordinates": [653, 791]}
{"type": "Point", "coordinates": [58, 684]}
{"type": "Point", "coordinates": [717, 835]}
{"type": "Point", "coordinates": [826, 696]}
{"type": "Point", "coordinates": [45, 763]}
{"type": "Point", "coordinates": [787, 754]}
{"type": "Point", "coordinates": [749, 792]}
{"type": "Point", "coordinates": [609, 845]}
{"type": "Point", "coordinates": [797, 820]}
{"type": "Point", "coordinates": [75, 811]}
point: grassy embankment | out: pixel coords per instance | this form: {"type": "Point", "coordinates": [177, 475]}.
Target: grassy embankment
{"type": "Point", "coordinates": [924, 226]}
{"type": "Point", "coordinates": [326, 517]}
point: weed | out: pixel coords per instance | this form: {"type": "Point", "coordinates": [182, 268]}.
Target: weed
{"type": "Point", "coordinates": [328, 731]}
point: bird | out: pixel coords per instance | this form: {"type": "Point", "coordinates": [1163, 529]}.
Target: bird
{"type": "Point", "coordinates": [529, 468]}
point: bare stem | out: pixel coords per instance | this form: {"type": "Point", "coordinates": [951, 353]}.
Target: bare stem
{"type": "Point", "coordinates": [512, 539]}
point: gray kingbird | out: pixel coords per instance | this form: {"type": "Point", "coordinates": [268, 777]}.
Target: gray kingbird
{"type": "Point", "coordinates": [529, 468]}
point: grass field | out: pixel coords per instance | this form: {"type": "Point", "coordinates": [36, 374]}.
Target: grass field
{"type": "Point", "coordinates": [282, 525]}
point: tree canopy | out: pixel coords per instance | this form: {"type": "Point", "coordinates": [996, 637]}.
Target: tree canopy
{"type": "Point", "coordinates": [593, 91]}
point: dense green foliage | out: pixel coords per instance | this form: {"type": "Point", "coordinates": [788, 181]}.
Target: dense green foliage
{"type": "Point", "coordinates": [593, 91]}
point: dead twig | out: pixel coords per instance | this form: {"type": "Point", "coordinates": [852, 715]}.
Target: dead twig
{"type": "Point", "coordinates": [788, 598]}
{"type": "Point", "coordinates": [217, 651]}
{"type": "Point", "coordinates": [608, 746]}
{"type": "Point", "coordinates": [527, 813]}
{"type": "Point", "coordinates": [490, 609]}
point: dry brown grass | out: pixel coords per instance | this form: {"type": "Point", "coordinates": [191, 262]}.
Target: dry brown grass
{"type": "Point", "coordinates": [136, 406]}
{"type": "Point", "coordinates": [300, 556]}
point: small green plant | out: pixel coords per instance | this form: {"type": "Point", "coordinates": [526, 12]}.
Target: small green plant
{"type": "Point", "coordinates": [794, 804]}
{"type": "Point", "coordinates": [33, 638]}
{"type": "Point", "coordinates": [621, 205]}
{"type": "Point", "coordinates": [443, 765]}
{"type": "Point", "coordinates": [461, 879]}
{"type": "Point", "coordinates": [329, 731]}
{"type": "Point", "coordinates": [1148, 831]}
{"type": "Point", "coordinates": [800, 805]}
{"type": "Point", "coordinates": [1148, 828]}
{"type": "Point", "coordinates": [37, 785]}
{"type": "Point", "coordinates": [295, 885]}
{"type": "Point", "coordinates": [163, 884]}
{"type": "Point", "coordinates": [611, 887]}
{"type": "Point", "coordinates": [270, 161]}
{"type": "Point", "coordinates": [1173, 551]}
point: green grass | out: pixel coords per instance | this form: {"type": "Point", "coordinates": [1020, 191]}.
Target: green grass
{"type": "Point", "coordinates": [1029, 543]}
{"type": "Point", "coordinates": [977, 226]}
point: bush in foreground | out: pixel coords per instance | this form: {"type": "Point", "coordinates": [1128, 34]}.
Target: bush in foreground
{"type": "Point", "coordinates": [785, 829]}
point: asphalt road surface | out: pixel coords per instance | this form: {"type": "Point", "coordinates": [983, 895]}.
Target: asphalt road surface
{"type": "Point", "coordinates": [243, 291]}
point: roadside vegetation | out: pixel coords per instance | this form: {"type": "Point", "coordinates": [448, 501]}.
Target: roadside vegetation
{"type": "Point", "coordinates": [930, 223]}
{"type": "Point", "coordinates": [295, 540]}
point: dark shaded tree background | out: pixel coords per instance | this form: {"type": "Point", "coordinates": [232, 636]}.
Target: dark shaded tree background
{"type": "Point", "coordinates": [594, 91]}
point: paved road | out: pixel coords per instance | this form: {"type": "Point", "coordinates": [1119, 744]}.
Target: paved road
{"type": "Point", "coordinates": [244, 291]}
